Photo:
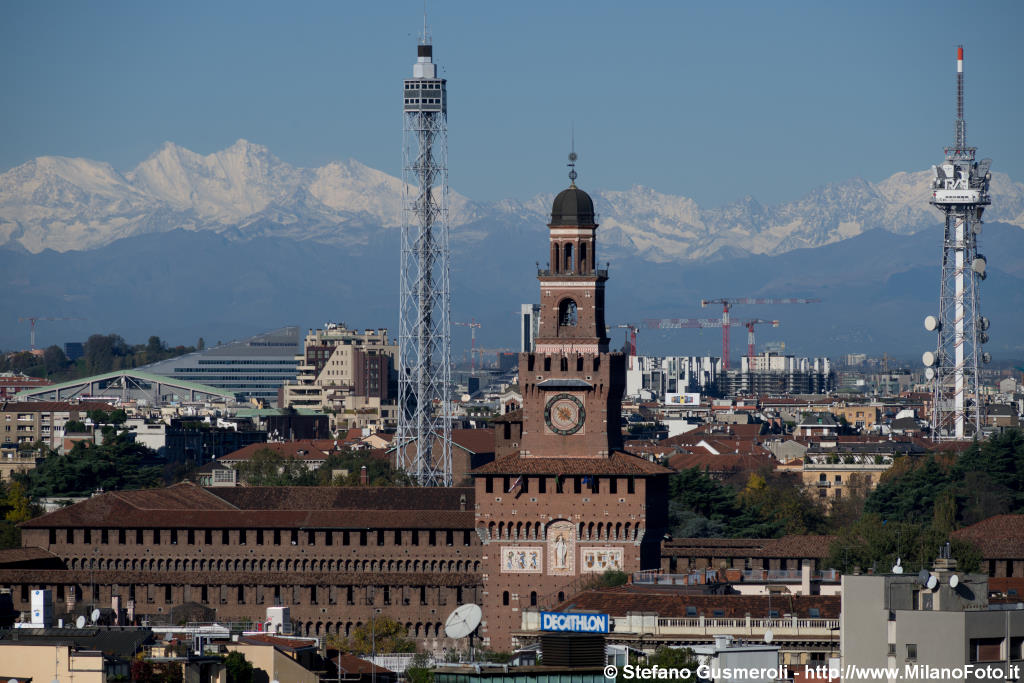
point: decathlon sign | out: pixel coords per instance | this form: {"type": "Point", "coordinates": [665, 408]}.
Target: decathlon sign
{"type": "Point", "coordinates": [574, 621]}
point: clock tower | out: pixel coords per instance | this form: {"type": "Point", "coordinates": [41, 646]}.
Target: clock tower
{"type": "Point", "coordinates": [572, 386]}
{"type": "Point", "coordinates": [562, 502]}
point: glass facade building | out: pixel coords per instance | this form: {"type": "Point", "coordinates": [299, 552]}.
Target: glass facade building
{"type": "Point", "coordinates": [252, 368]}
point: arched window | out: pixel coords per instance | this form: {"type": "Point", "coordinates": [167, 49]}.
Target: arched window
{"type": "Point", "coordinates": [533, 598]}
{"type": "Point", "coordinates": [568, 258]}
{"type": "Point", "coordinates": [555, 259]}
{"type": "Point", "coordinates": [584, 265]}
{"type": "Point", "coordinates": [504, 598]}
{"type": "Point", "coordinates": [567, 316]}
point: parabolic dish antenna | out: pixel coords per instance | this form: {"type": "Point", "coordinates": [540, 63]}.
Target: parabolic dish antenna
{"type": "Point", "coordinates": [923, 576]}
{"type": "Point", "coordinates": [954, 581]}
{"type": "Point", "coordinates": [80, 622]}
{"type": "Point", "coordinates": [463, 620]}
{"type": "Point", "coordinates": [897, 568]}
{"type": "Point", "coordinates": [769, 636]}
{"type": "Point", "coordinates": [932, 583]}
{"type": "Point", "coordinates": [95, 615]}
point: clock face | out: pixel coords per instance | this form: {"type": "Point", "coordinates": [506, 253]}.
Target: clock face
{"type": "Point", "coordinates": [564, 414]}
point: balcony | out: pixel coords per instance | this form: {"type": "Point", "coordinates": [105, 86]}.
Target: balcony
{"type": "Point", "coordinates": [599, 273]}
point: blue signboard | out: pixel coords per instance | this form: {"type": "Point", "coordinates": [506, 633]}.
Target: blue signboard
{"type": "Point", "coordinates": [576, 622]}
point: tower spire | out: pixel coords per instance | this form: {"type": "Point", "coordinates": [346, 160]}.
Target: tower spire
{"type": "Point", "coordinates": [961, 126]}
{"type": "Point", "coordinates": [425, 38]}
{"type": "Point", "coordinates": [572, 156]}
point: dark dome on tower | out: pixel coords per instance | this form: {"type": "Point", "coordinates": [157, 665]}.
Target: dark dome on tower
{"type": "Point", "coordinates": [573, 207]}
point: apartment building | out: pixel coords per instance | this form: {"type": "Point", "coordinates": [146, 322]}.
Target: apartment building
{"type": "Point", "coordinates": [348, 374]}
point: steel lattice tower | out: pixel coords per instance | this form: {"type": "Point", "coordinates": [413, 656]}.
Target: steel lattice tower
{"type": "Point", "coordinates": [960, 189]}
{"type": "Point", "coordinates": [424, 326]}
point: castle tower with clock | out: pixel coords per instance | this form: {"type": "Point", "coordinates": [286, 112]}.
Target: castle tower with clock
{"type": "Point", "coordinates": [562, 502]}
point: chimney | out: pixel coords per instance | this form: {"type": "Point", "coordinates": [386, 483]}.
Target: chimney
{"type": "Point", "coordinates": [364, 477]}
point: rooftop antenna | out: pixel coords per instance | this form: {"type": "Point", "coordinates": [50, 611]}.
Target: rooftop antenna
{"type": "Point", "coordinates": [572, 156]}
{"type": "Point", "coordinates": [426, 36]}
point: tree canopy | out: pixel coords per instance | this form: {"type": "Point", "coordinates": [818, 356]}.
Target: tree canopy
{"type": "Point", "coordinates": [117, 464]}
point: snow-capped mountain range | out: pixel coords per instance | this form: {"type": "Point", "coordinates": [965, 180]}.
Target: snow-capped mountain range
{"type": "Point", "coordinates": [244, 191]}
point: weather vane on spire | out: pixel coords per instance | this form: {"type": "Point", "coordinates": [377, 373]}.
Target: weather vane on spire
{"type": "Point", "coordinates": [572, 157]}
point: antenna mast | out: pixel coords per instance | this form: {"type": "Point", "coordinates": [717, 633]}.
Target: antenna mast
{"type": "Point", "coordinates": [960, 190]}
{"type": "Point", "coordinates": [424, 445]}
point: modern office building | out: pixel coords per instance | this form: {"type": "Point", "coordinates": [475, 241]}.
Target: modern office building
{"type": "Point", "coordinates": [253, 368]}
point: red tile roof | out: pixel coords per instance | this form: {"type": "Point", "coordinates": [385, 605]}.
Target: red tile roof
{"type": "Point", "coordinates": [999, 537]}
{"type": "Point", "coordinates": [672, 603]}
{"type": "Point", "coordinates": [282, 642]}
{"type": "Point", "coordinates": [796, 546]}
{"type": "Point", "coordinates": [47, 406]}
{"type": "Point", "coordinates": [189, 506]}
{"type": "Point", "coordinates": [618, 463]}
{"type": "Point", "coordinates": [474, 440]}
{"type": "Point", "coordinates": [306, 449]}
{"type": "Point", "coordinates": [357, 665]}
{"type": "Point", "coordinates": [727, 462]}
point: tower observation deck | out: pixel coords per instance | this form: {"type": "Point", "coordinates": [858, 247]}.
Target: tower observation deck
{"type": "Point", "coordinates": [960, 190]}
{"type": "Point", "coordinates": [424, 328]}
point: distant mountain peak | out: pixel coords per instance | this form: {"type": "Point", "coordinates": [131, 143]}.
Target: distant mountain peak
{"type": "Point", "coordinates": [70, 204]}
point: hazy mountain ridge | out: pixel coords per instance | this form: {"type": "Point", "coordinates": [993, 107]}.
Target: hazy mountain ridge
{"type": "Point", "coordinates": [244, 192]}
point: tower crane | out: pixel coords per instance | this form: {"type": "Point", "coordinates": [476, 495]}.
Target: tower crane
{"type": "Point", "coordinates": [728, 303]}
{"type": "Point", "coordinates": [679, 323]}
{"type": "Point", "coordinates": [32, 319]}
{"type": "Point", "coordinates": [473, 326]}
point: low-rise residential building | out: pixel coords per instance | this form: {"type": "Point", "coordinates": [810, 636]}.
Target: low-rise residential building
{"type": "Point", "coordinates": [12, 383]}
{"type": "Point", "coordinates": [26, 422]}
{"type": "Point", "coordinates": [938, 625]}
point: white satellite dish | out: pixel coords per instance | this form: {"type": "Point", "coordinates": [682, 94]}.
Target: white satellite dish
{"type": "Point", "coordinates": [463, 620]}
{"type": "Point", "coordinates": [80, 622]}
{"type": "Point", "coordinates": [954, 581]}
{"type": "Point", "coordinates": [928, 358]}
{"type": "Point", "coordinates": [897, 568]}
{"type": "Point", "coordinates": [932, 583]}
{"type": "Point", "coordinates": [769, 636]}
{"type": "Point", "coordinates": [95, 616]}
{"type": "Point", "coordinates": [931, 323]}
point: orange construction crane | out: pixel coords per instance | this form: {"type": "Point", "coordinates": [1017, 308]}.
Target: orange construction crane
{"type": "Point", "coordinates": [32, 319]}
{"type": "Point", "coordinates": [680, 323]}
{"type": "Point", "coordinates": [727, 305]}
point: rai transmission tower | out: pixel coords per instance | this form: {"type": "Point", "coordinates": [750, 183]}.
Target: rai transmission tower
{"type": "Point", "coordinates": [424, 445]}
{"type": "Point", "coordinates": [960, 191]}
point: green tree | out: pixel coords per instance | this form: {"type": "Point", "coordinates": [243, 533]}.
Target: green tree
{"type": "Point", "coordinates": [116, 465]}
{"type": "Point", "coordinates": [419, 670]}
{"type": "Point", "coordinates": [54, 359]}
{"type": "Point", "coordinates": [239, 669]}
{"type": "Point", "coordinates": [607, 579]}
{"type": "Point", "coordinates": [387, 635]}
{"type": "Point", "coordinates": [876, 542]}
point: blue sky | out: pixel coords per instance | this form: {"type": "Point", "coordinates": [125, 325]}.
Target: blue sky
{"type": "Point", "coordinates": [710, 100]}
